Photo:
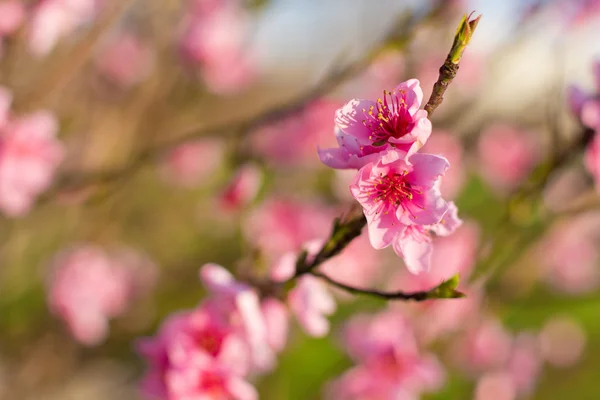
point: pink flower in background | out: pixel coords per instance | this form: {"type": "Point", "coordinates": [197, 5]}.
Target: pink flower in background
{"type": "Point", "coordinates": [525, 363]}
{"type": "Point", "coordinates": [243, 188]}
{"type": "Point", "coordinates": [365, 128]}
{"type": "Point", "coordinates": [293, 140]}
{"type": "Point", "coordinates": [400, 198]}
{"type": "Point", "coordinates": [53, 20]}
{"type": "Point", "coordinates": [277, 320]}
{"type": "Point", "coordinates": [586, 107]}
{"type": "Point", "coordinates": [569, 255]}
{"type": "Point", "coordinates": [5, 103]}
{"type": "Point", "coordinates": [125, 60]}
{"type": "Point", "coordinates": [88, 287]}
{"type": "Point", "coordinates": [12, 13]}
{"type": "Point", "coordinates": [280, 225]}
{"type": "Point", "coordinates": [29, 156]}
{"type": "Point", "coordinates": [484, 347]}
{"type": "Point", "coordinates": [506, 155]}
{"type": "Point", "coordinates": [215, 38]}
{"type": "Point", "coordinates": [562, 341]}
{"type": "Point", "coordinates": [389, 364]}
{"type": "Point", "coordinates": [448, 145]}
{"type": "Point", "coordinates": [495, 386]}
{"type": "Point", "coordinates": [592, 159]}
{"type": "Point", "coordinates": [189, 164]}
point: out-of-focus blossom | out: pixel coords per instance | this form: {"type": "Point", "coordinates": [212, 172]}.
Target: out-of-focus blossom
{"type": "Point", "coordinates": [280, 225]}
{"type": "Point", "coordinates": [209, 351]}
{"type": "Point", "coordinates": [29, 156]}
{"type": "Point", "coordinates": [390, 365]}
{"type": "Point", "coordinates": [506, 155]}
{"type": "Point", "coordinates": [12, 13]}
{"type": "Point", "coordinates": [243, 188]}
{"type": "Point", "coordinates": [558, 193]}
{"type": "Point", "coordinates": [53, 20]}
{"type": "Point", "coordinates": [191, 163]}
{"type": "Point", "coordinates": [214, 38]}
{"type": "Point", "coordinates": [125, 60]}
{"type": "Point", "coordinates": [495, 386]}
{"type": "Point", "coordinates": [5, 102]}
{"type": "Point", "coordinates": [592, 159]}
{"type": "Point", "coordinates": [586, 106]}
{"type": "Point", "coordinates": [365, 128]}
{"type": "Point", "coordinates": [448, 145]}
{"type": "Point", "coordinates": [569, 254]}
{"type": "Point", "coordinates": [562, 342]}
{"type": "Point", "coordinates": [309, 300]}
{"type": "Point", "coordinates": [525, 363]}
{"type": "Point", "coordinates": [400, 197]}
{"type": "Point", "coordinates": [293, 141]}
{"type": "Point", "coordinates": [88, 287]}
{"type": "Point", "coordinates": [483, 347]}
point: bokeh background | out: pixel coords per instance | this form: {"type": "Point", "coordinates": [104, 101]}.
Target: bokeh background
{"type": "Point", "coordinates": [155, 126]}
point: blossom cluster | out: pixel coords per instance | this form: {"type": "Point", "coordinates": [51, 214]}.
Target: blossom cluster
{"type": "Point", "coordinates": [397, 186]}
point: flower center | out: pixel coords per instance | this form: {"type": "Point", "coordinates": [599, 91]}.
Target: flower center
{"type": "Point", "coordinates": [388, 118]}
{"type": "Point", "coordinates": [392, 189]}
{"type": "Point", "coordinates": [210, 340]}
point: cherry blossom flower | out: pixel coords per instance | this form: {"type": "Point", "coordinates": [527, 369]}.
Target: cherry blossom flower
{"type": "Point", "coordinates": [29, 156]}
{"type": "Point", "coordinates": [364, 128]}
{"type": "Point", "coordinates": [586, 106]}
{"type": "Point", "coordinates": [242, 188]}
{"type": "Point", "coordinates": [89, 286]}
{"type": "Point", "coordinates": [504, 169]}
{"type": "Point", "coordinates": [53, 20]}
{"type": "Point", "coordinates": [562, 341]}
{"type": "Point", "coordinates": [495, 386]}
{"type": "Point", "coordinates": [12, 13]}
{"type": "Point", "coordinates": [525, 363]}
{"type": "Point", "coordinates": [401, 200]}
{"type": "Point", "coordinates": [125, 60]}
{"type": "Point", "coordinates": [189, 164]}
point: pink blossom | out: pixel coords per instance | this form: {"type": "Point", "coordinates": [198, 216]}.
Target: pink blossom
{"type": "Point", "coordinates": [562, 341]}
{"type": "Point", "coordinates": [401, 200]}
{"type": "Point", "coordinates": [243, 187]}
{"type": "Point", "coordinates": [524, 363]}
{"type": "Point", "coordinates": [569, 254]}
{"type": "Point", "coordinates": [281, 225]}
{"type": "Point", "coordinates": [88, 287]}
{"type": "Point", "coordinates": [29, 156]}
{"type": "Point", "coordinates": [483, 347]}
{"type": "Point", "coordinates": [277, 320]}
{"type": "Point", "coordinates": [495, 386]}
{"type": "Point", "coordinates": [12, 13]}
{"type": "Point", "coordinates": [293, 140]}
{"type": "Point", "coordinates": [506, 155]}
{"type": "Point", "coordinates": [189, 164]}
{"type": "Point", "coordinates": [214, 37]}
{"type": "Point", "coordinates": [5, 102]}
{"type": "Point", "coordinates": [389, 363]}
{"type": "Point", "coordinates": [585, 106]}
{"type": "Point", "coordinates": [592, 159]}
{"type": "Point", "coordinates": [125, 60]}
{"type": "Point", "coordinates": [448, 145]}
{"type": "Point", "coordinates": [53, 20]}
{"type": "Point", "coordinates": [364, 128]}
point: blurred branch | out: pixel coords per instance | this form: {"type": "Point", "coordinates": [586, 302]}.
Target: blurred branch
{"type": "Point", "coordinates": [401, 31]}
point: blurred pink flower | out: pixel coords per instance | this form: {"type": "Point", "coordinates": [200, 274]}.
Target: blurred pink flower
{"type": "Point", "coordinates": [495, 386]}
{"type": "Point", "coordinates": [293, 140]}
{"type": "Point", "coordinates": [524, 363]}
{"type": "Point", "coordinates": [562, 341]}
{"type": "Point", "coordinates": [125, 60]}
{"type": "Point", "coordinates": [281, 225]}
{"type": "Point", "coordinates": [53, 20]}
{"type": "Point", "coordinates": [242, 188]}
{"type": "Point", "coordinates": [483, 347]}
{"type": "Point", "coordinates": [569, 253]}
{"type": "Point", "coordinates": [448, 145]}
{"type": "Point", "coordinates": [400, 198]}
{"type": "Point", "coordinates": [29, 156]}
{"type": "Point", "coordinates": [586, 106]}
{"type": "Point", "coordinates": [365, 128]}
{"type": "Point", "coordinates": [389, 363]}
{"type": "Point", "coordinates": [5, 103]}
{"type": "Point", "coordinates": [506, 155]}
{"type": "Point", "coordinates": [277, 319]}
{"type": "Point", "coordinates": [215, 38]}
{"type": "Point", "coordinates": [88, 287]}
{"type": "Point", "coordinates": [189, 164]}
{"type": "Point", "coordinates": [12, 13]}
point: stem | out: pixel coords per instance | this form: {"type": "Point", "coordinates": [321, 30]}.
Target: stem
{"type": "Point", "coordinates": [397, 295]}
